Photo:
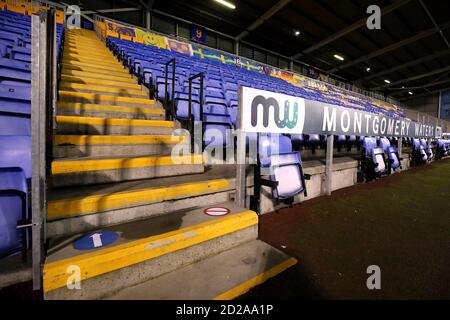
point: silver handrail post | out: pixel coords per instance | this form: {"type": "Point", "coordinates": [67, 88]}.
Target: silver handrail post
{"type": "Point", "coordinates": [43, 102]}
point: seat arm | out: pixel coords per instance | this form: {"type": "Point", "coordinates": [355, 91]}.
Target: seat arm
{"type": "Point", "coordinates": [268, 183]}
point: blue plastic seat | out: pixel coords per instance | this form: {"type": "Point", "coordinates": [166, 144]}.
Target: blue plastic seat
{"type": "Point", "coordinates": [15, 110]}
{"type": "Point", "coordinates": [285, 166]}
{"type": "Point", "coordinates": [15, 176]}
{"type": "Point", "coordinates": [10, 39]}
{"type": "Point", "coordinates": [375, 162]}
{"type": "Point", "coordinates": [17, 73]}
{"type": "Point", "coordinates": [20, 53]}
{"type": "Point", "coordinates": [392, 154]}
{"type": "Point", "coordinates": [419, 152]}
{"type": "Point", "coordinates": [428, 149]}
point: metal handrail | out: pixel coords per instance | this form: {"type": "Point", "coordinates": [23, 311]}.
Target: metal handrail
{"type": "Point", "coordinates": [169, 113]}
{"type": "Point", "coordinates": [191, 118]}
{"type": "Point", "coordinates": [50, 68]}
{"type": "Point", "coordinates": [43, 103]}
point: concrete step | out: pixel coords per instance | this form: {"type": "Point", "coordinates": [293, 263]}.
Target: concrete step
{"type": "Point", "coordinates": [81, 209]}
{"type": "Point", "coordinates": [85, 171]}
{"type": "Point", "coordinates": [122, 77]}
{"type": "Point", "coordinates": [223, 276]}
{"type": "Point", "coordinates": [93, 67]}
{"type": "Point", "coordinates": [108, 60]}
{"type": "Point", "coordinates": [107, 64]}
{"type": "Point", "coordinates": [73, 45]}
{"type": "Point", "coordinates": [91, 36]}
{"type": "Point", "coordinates": [126, 84]}
{"type": "Point", "coordinates": [72, 146]}
{"type": "Point", "coordinates": [100, 73]}
{"type": "Point", "coordinates": [107, 99]}
{"type": "Point", "coordinates": [84, 47]}
{"type": "Point", "coordinates": [112, 126]}
{"type": "Point", "coordinates": [79, 44]}
{"type": "Point", "coordinates": [100, 52]}
{"type": "Point", "coordinates": [154, 112]}
{"type": "Point", "coordinates": [102, 89]}
{"type": "Point", "coordinates": [98, 55]}
{"type": "Point", "coordinates": [81, 40]}
{"type": "Point", "coordinates": [144, 250]}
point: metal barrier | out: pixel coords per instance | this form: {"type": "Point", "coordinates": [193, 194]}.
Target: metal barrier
{"type": "Point", "coordinates": [169, 113]}
{"type": "Point", "coordinates": [43, 103]}
{"type": "Point", "coordinates": [191, 118]}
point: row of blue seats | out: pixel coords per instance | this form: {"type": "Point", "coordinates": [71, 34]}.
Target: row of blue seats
{"type": "Point", "coordinates": [220, 87]}
{"type": "Point", "coordinates": [275, 153]}
{"type": "Point", "coordinates": [15, 128]}
{"type": "Point", "coordinates": [15, 140]}
{"type": "Point", "coordinates": [15, 36]}
{"type": "Point", "coordinates": [443, 147]}
{"type": "Point", "coordinates": [220, 110]}
{"type": "Point", "coordinates": [15, 77]}
{"type": "Point", "coordinates": [379, 157]}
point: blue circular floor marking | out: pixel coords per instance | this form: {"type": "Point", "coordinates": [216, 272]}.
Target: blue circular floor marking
{"type": "Point", "coordinates": [96, 240]}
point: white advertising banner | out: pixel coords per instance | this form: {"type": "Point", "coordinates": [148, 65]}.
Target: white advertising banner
{"type": "Point", "coordinates": [270, 112]}
{"type": "Point", "coordinates": [264, 111]}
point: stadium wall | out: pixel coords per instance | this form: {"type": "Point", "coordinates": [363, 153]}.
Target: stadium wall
{"type": "Point", "coordinates": [426, 104]}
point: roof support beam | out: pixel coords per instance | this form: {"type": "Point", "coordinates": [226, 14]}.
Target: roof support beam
{"type": "Point", "coordinates": [420, 35]}
{"type": "Point", "coordinates": [424, 94]}
{"type": "Point", "coordinates": [408, 64]}
{"type": "Point", "coordinates": [111, 10]}
{"type": "Point", "coordinates": [429, 85]}
{"type": "Point", "coordinates": [434, 23]}
{"type": "Point", "coordinates": [420, 76]}
{"type": "Point", "coordinates": [263, 18]}
{"type": "Point", "coordinates": [358, 24]}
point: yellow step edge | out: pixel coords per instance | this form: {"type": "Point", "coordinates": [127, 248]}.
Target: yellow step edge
{"type": "Point", "coordinates": [121, 256]}
{"type": "Point", "coordinates": [99, 88]}
{"type": "Point", "coordinates": [81, 36]}
{"type": "Point", "coordinates": [105, 57]}
{"type": "Point", "coordinates": [81, 43]}
{"type": "Point", "coordinates": [257, 280]}
{"type": "Point", "coordinates": [78, 106]}
{"type": "Point", "coordinates": [81, 73]}
{"type": "Point", "coordinates": [83, 40]}
{"type": "Point", "coordinates": [75, 166]}
{"type": "Point", "coordinates": [85, 46]}
{"type": "Point", "coordinates": [81, 140]}
{"type": "Point", "coordinates": [86, 36]}
{"type": "Point", "coordinates": [114, 122]}
{"type": "Point", "coordinates": [66, 208]}
{"type": "Point", "coordinates": [95, 70]}
{"type": "Point", "coordinates": [103, 97]}
{"type": "Point", "coordinates": [89, 55]}
{"type": "Point", "coordinates": [94, 66]}
{"type": "Point", "coordinates": [107, 60]}
{"type": "Point", "coordinates": [86, 80]}
{"type": "Point", "coordinates": [83, 49]}
{"type": "Point", "coordinates": [79, 51]}
{"type": "Point", "coordinates": [99, 69]}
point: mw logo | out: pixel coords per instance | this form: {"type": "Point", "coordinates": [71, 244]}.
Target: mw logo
{"type": "Point", "coordinates": [268, 103]}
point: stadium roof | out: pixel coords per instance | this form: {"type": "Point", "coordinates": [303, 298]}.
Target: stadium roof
{"type": "Point", "coordinates": [411, 51]}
